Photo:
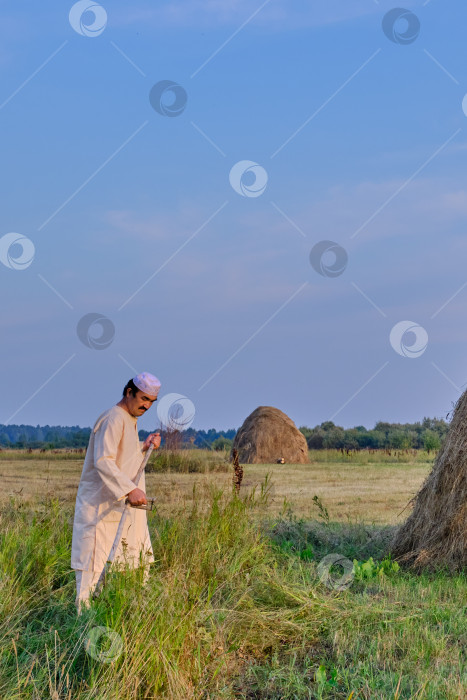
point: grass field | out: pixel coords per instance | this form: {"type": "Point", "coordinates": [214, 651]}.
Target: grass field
{"type": "Point", "coordinates": [237, 605]}
{"type": "Point", "coordinates": [375, 487]}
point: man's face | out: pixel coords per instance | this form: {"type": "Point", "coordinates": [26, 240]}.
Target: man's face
{"type": "Point", "coordinates": [139, 404]}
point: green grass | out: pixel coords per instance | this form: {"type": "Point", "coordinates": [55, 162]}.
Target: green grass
{"type": "Point", "coordinates": [391, 456]}
{"type": "Point", "coordinates": [7, 455]}
{"type": "Point", "coordinates": [316, 456]}
{"type": "Point", "coordinates": [234, 608]}
{"type": "Point", "coordinates": [188, 462]}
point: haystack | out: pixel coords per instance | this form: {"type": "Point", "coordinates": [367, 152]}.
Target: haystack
{"type": "Point", "coordinates": [267, 435]}
{"type": "Point", "coordinates": [435, 534]}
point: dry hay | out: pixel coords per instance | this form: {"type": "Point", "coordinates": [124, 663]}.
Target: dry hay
{"type": "Point", "coordinates": [238, 472]}
{"type": "Point", "coordinates": [267, 435]}
{"type": "Point", "coordinates": [435, 534]}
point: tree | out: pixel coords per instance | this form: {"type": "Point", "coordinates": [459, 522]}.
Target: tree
{"type": "Point", "coordinates": [222, 443]}
{"type": "Point", "coordinates": [315, 441]}
{"type": "Point", "coordinates": [351, 439]}
{"type": "Point", "coordinates": [399, 440]}
{"type": "Point", "coordinates": [334, 438]}
{"type": "Point", "coordinates": [431, 441]}
{"type": "Point", "coordinates": [327, 425]}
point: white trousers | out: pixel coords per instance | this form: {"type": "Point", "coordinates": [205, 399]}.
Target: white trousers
{"type": "Point", "coordinates": [86, 582]}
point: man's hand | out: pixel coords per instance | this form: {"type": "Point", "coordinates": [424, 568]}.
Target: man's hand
{"type": "Point", "coordinates": [137, 498]}
{"type": "Point", "coordinates": [153, 439]}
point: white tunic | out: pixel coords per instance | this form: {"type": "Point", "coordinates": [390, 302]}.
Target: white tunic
{"type": "Point", "coordinates": [112, 460]}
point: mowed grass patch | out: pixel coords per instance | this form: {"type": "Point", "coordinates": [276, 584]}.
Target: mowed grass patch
{"type": "Point", "coordinates": [376, 491]}
{"type": "Point", "coordinates": [30, 478]}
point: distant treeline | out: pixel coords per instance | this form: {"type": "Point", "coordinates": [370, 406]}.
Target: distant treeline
{"type": "Point", "coordinates": [56, 436]}
{"type": "Point", "coordinates": [48, 436]}
{"type": "Point", "coordinates": [425, 435]}
{"type": "Point", "coordinates": [207, 439]}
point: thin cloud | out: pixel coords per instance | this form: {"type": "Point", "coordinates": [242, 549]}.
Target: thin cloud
{"type": "Point", "coordinates": [161, 226]}
{"type": "Point", "coordinates": [276, 14]}
{"type": "Point", "coordinates": [418, 210]}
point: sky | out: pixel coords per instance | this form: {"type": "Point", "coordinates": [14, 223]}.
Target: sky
{"type": "Point", "coordinates": [261, 203]}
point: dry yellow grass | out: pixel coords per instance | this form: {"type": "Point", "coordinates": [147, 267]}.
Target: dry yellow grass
{"type": "Point", "coordinates": [373, 492]}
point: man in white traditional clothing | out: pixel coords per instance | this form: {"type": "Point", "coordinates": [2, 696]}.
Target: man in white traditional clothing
{"type": "Point", "coordinates": [112, 460]}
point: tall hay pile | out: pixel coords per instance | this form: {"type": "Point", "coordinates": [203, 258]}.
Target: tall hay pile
{"type": "Point", "coordinates": [267, 435]}
{"type": "Point", "coordinates": [434, 536]}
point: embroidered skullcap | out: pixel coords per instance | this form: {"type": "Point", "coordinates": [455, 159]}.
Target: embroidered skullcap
{"type": "Point", "coordinates": [147, 383]}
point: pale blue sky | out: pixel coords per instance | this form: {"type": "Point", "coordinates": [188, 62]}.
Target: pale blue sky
{"type": "Point", "coordinates": [364, 144]}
